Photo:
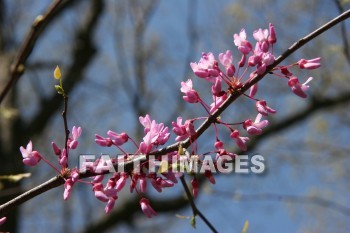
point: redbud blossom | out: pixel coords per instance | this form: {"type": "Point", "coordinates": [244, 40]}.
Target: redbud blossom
{"type": "Point", "coordinates": [2, 220]}
{"type": "Point", "coordinates": [118, 139]}
{"type": "Point", "coordinates": [121, 182]}
{"type": "Point", "coordinates": [156, 134]}
{"type": "Point", "coordinates": [143, 183]}
{"type": "Point", "coordinates": [146, 146]}
{"type": "Point", "coordinates": [69, 183]}
{"type": "Point", "coordinates": [170, 176]}
{"type": "Point", "coordinates": [226, 61]}
{"type": "Point", "coordinates": [183, 130]}
{"type": "Point", "coordinates": [253, 90]}
{"type": "Point", "coordinates": [63, 159]}
{"type": "Point", "coordinates": [219, 144]}
{"type": "Point", "coordinates": [240, 141]}
{"type": "Point", "coordinates": [110, 205]}
{"type": "Point", "coordinates": [164, 183]}
{"type": "Point", "coordinates": [261, 36]}
{"type": "Point", "coordinates": [297, 88]}
{"type": "Point", "coordinates": [207, 67]}
{"type": "Point", "coordinates": [98, 179]}
{"type": "Point", "coordinates": [272, 37]}
{"type": "Point", "coordinates": [216, 89]}
{"type": "Point", "coordinates": [156, 185]}
{"type": "Point", "coordinates": [255, 128]}
{"type": "Point", "coordinates": [240, 41]}
{"type": "Point", "coordinates": [309, 64]}
{"type": "Point", "coordinates": [30, 157]}
{"type": "Point", "coordinates": [191, 96]}
{"type": "Point", "coordinates": [195, 187]}
{"type": "Point", "coordinates": [263, 109]}
{"type": "Point", "coordinates": [67, 188]}
{"type": "Point", "coordinates": [103, 141]}
{"type": "Point", "coordinates": [217, 102]}
{"type": "Point", "coordinates": [242, 61]}
{"type": "Point", "coordinates": [73, 141]}
{"type": "Point", "coordinates": [56, 149]}
{"type": "Point", "coordinates": [146, 208]}
{"type": "Point", "coordinates": [146, 122]}
{"type": "Point", "coordinates": [99, 193]}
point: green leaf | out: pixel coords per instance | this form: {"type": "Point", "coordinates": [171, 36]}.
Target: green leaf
{"type": "Point", "coordinates": [59, 89]}
{"type": "Point", "coordinates": [193, 221]}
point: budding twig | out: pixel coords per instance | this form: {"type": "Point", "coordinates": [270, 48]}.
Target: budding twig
{"type": "Point", "coordinates": [195, 210]}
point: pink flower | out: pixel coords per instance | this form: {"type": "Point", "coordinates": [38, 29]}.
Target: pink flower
{"type": "Point", "coordinates": [146, 122]}
{"type": "Point", "coordinates": [146, 208]}
{"type": "Point", "coordinates": [103, 141]}
{"type": "Point", "coordinates": [99, 193]}
{"type": "Point", "coordinates": [183, 130]}
{"type": "Point", "coordinates": [262, 37]}
{"type": "Point", "coordinates": [63, 159]}
{"type": "Point", "coordinates": [67, 188]}
{"type": "Point", "coordinates": [240, 141]}
{"type": "Point", "coordinates": [121, 182]}
{"type": "Point", "coordinates": [155, 184]}
{"type": "Point", "coordinates": [263, 109]}
{"type": "Point", "coordinates": [118, 139]}
{"type": "Point", "coordinates": [219, 144]}
{"type": "Point", "coordinates": [2, 220]}
{"type": "Point", "coordinates": [195, 187]}
{"type": "Point", "coordinates": [191, 96]}
{"type": "Point", "coordinates": [143, 183]}
{"type": "Point", "coordinates": [147, 144]}
{"type": "Point", "coordinates": [98, 179]}
{"type": "Point", "coordinates": [268, 58]}
{"type": "Point", "coordinates": [110, 205]}
{"type": "Point", "coordinates": [30, 157]}
{"type": "Point", "coordinates": [217, 102]}
{"type": "Point", "coordinates": [255, 128]}
{"type": "Point", "coordinates": [56, 149]}
{"type": "Point", "coordinates": [157, 135]}
{"type": "Point", "coordinates": [297, 88]}
{"type": "Point", "coordinates": [73, 141]}
{"type": "Point", "coordinates": [207, 67]}
{"type": "Point", "coordinates": [309, 64]}
{"type": "Point", "coordinates": [216, 89]}
{"type": "Point", "coordinates": [226, 61]}
{"type": "Point", "coordinates": [240, 41]}
{"type": "Point", "coordinates": [272, 37]}
{"type": "Point", "coordinates": [69, 183]}
{"type": "Point", "coordinates": [170, 176]}
{"type": "Point", "coordinates": [256, 58]}
{"type": "Point", "coordinates": [253, 90]}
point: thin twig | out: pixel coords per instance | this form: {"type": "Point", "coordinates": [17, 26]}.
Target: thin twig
{"type": "Point", "coordinates": [64, 115]}
{"type": "Point", "coordinates": [18, 66]}
{"type": "Point", "coordinates": [195, 210]}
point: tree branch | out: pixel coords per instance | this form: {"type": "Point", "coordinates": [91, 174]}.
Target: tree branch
{"type": "Point", "coordinates": [39, 25]}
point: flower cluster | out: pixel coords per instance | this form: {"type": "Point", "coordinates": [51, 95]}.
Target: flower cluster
{"type": "Point", "coordinates": [32, 158]}
{"type": "Point", "coordinates": [226, 79]}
